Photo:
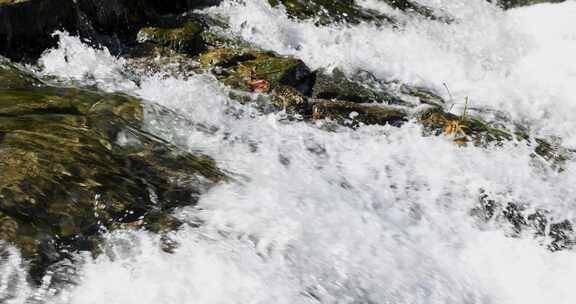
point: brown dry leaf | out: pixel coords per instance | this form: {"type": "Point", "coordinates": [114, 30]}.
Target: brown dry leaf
{"type": "Point", "coordinates": [455, 127]}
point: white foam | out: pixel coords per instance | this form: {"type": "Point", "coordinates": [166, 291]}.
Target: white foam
{"type": "Point", "coordinates": [72, 60]}
{"type": "Point", "coordinates": [376, 215]}
{"type": "Point", "coordinates": [516, 61]}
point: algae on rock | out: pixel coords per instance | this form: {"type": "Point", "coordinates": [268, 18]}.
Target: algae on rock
{"type": "Point", "coordinates": [239, 67]}
{"type": "Point", "coordinates": [65, 177]}
{"type": "Point", "coordinates": [185, 37]}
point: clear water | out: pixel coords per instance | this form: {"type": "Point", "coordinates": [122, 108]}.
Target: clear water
{"type": "Point", "coordinates": [375, 215]}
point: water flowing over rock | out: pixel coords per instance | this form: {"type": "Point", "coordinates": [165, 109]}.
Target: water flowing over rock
{"type": "Point", "coordinates": [332, 11]}
{"type": "Point", "coordinates": [516, 3]}
{"type": "Point", "coordinates": [286, 151]}
{"type": "Point", "coordinates": [75, 163]}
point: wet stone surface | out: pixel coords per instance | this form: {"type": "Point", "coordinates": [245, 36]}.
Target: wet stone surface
{"type": "Point", "coordinates": [65, 177]}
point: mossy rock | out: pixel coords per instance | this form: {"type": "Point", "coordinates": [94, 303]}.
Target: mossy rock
{"type": "Point", "coordinates": [186, 37]}
{"type": "Point", "coordinates": [190, 34]}
{"type": "Point", "coordinates": [13, 76]}
{"type": "Point", "coordinates": [224, 57]}
{"type": "Point", "coordinates": [353, 114]}
{"type": "Point", "coordinates": [74, 163]}
{"type": "Point", "coordinates": [240, 68]}
{"type": "Point", "coordinates": [435, 121]}
{"type": "Point", "coordinates": [482, 133]}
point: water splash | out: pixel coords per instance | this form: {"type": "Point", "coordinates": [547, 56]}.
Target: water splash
{"type": "Point", "coordinates": [376, 215]}
{"type": "Point", "coordinates": [514, 61]}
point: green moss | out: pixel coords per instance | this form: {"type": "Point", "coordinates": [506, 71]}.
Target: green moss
{"type": "Point", "coordinates": [482, 133]}
{"type": "Point", "coordinates": [64, 177]}
{"type": "Point", "coordinates": [186, 37]}
{"type": "Point", "coordinates": [435, 121]}
{"type": "Point", "coordinates": [242, 66]}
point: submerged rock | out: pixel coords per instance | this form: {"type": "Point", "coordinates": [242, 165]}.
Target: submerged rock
{"type": "Point", "coordinates": [340, 11]}
{"type": "Point", "coordinates": [516, 3]}
{"type": "Point", "coordinates": [332, 11]}
{"type": "Point", "coordinates": [75, 163]}
{"type": "Point", "coordinates": [521, 218]}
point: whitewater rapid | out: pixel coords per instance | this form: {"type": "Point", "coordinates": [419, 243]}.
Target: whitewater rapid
{"type": "Point", "coordinates": [374, 215]}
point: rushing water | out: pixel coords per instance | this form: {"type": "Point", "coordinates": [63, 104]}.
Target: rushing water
{"type": "Point", "coordinates": [374, 215]}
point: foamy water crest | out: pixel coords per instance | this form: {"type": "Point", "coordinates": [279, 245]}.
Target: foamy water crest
{"type": "Point", "coordinates": [374, 215]}
{"type": "Point", "coordinates": [515, 61]}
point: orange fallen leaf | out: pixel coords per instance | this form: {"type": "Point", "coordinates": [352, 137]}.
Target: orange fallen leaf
{"type": "Point", "coordinates": [259, 85]}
